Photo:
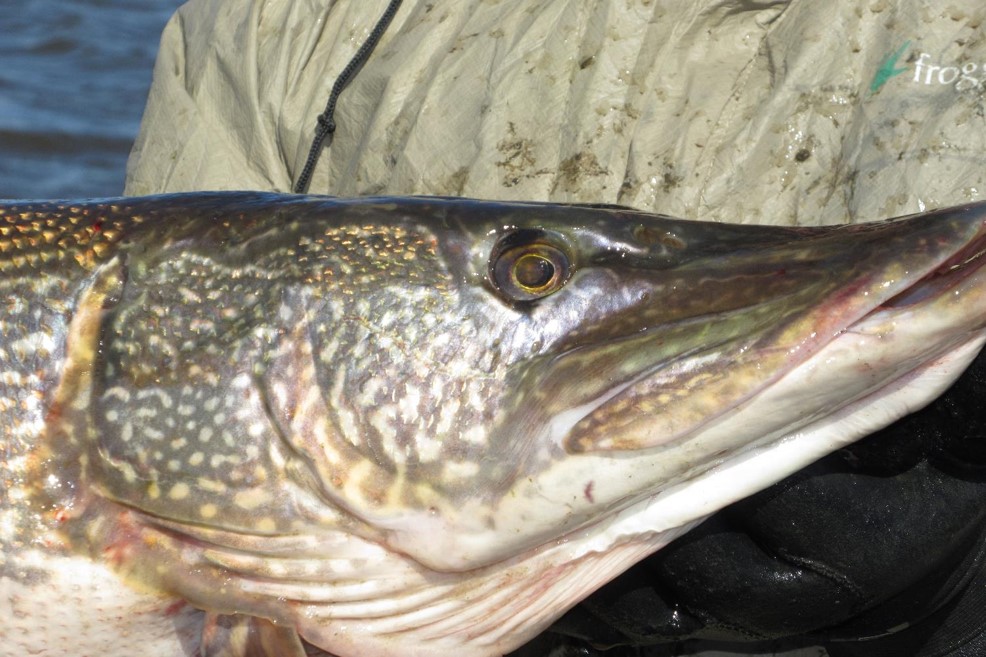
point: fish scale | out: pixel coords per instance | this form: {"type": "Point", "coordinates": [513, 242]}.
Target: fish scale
{"type": "Point", "coordinates": [404, 426]}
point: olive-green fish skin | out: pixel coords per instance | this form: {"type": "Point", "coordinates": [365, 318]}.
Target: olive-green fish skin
{"type": "Point", "coordinates": [403, 426]}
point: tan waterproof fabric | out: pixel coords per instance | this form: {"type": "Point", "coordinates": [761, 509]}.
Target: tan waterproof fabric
{"type": "Point", "coordinates": [750, 111]}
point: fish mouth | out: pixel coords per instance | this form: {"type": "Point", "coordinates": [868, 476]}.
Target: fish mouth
{"type": "Point", "coordinates": [900, 375]}
{"type": "Point", "coordinates": [723, 360]}
{"type": "Point", "coordinates": [958, 267]}
{"type": "Point", "coordinates": [900, 352]}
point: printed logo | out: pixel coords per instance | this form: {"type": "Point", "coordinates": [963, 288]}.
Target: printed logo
{"type": "Point", "coordinates": [969, 75]}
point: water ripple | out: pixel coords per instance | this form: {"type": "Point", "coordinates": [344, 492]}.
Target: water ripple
{"type": "Point", "coordinates": [74, 76]}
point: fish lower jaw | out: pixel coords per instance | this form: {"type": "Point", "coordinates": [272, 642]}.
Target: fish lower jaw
{"type": "Point", "coordinates": [751, 469]}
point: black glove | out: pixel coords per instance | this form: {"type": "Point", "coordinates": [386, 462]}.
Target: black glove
{"type": "Point", "coordinates": [878, 549]}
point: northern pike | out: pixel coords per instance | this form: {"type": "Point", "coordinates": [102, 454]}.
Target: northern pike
{"type": "Point", "coordinates": [412, 427]}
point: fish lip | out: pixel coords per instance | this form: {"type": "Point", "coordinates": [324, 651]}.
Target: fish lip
{"type": "Point", "coordinates": [963, 263]}
{"type": "Point", "coordinates": [953, 269]}
{"type": "Point", "coordinates": [959, 266]}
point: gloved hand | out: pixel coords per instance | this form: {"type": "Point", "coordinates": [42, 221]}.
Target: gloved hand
{"type": "Point", "coordinates": [878, 549]}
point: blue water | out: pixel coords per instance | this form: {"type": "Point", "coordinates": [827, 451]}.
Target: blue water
{"type": "Point", "coordinates": [74, 76]}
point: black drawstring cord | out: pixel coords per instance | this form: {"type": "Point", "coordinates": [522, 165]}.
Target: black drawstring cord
{"type": "Point", "coordinates": [326, 123]}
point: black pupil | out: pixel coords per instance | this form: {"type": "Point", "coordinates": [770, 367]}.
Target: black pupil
{"type": "Point", "coordinates": [533, 271]}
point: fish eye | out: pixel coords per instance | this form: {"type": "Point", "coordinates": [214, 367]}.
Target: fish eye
{"type": "Point", "coordinates": [529, 270]}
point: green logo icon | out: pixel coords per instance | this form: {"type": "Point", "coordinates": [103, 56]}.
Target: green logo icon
{"type": "Point", "coordinates": [889, 68]}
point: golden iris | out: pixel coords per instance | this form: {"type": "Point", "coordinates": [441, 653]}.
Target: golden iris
{"type": "Point", "coordinates": [533, 272]}
{"type": "Point", "coordinates": [530, 271]}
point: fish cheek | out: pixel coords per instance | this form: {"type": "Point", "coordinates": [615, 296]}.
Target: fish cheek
{"type": "Point", "coordinates": [299, 402]}
{"type": "Point", "coordinates": [166, 411]}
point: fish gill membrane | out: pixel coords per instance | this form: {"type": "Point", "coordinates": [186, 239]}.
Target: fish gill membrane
{"type": "Point", "coordinates": [406, 426]}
